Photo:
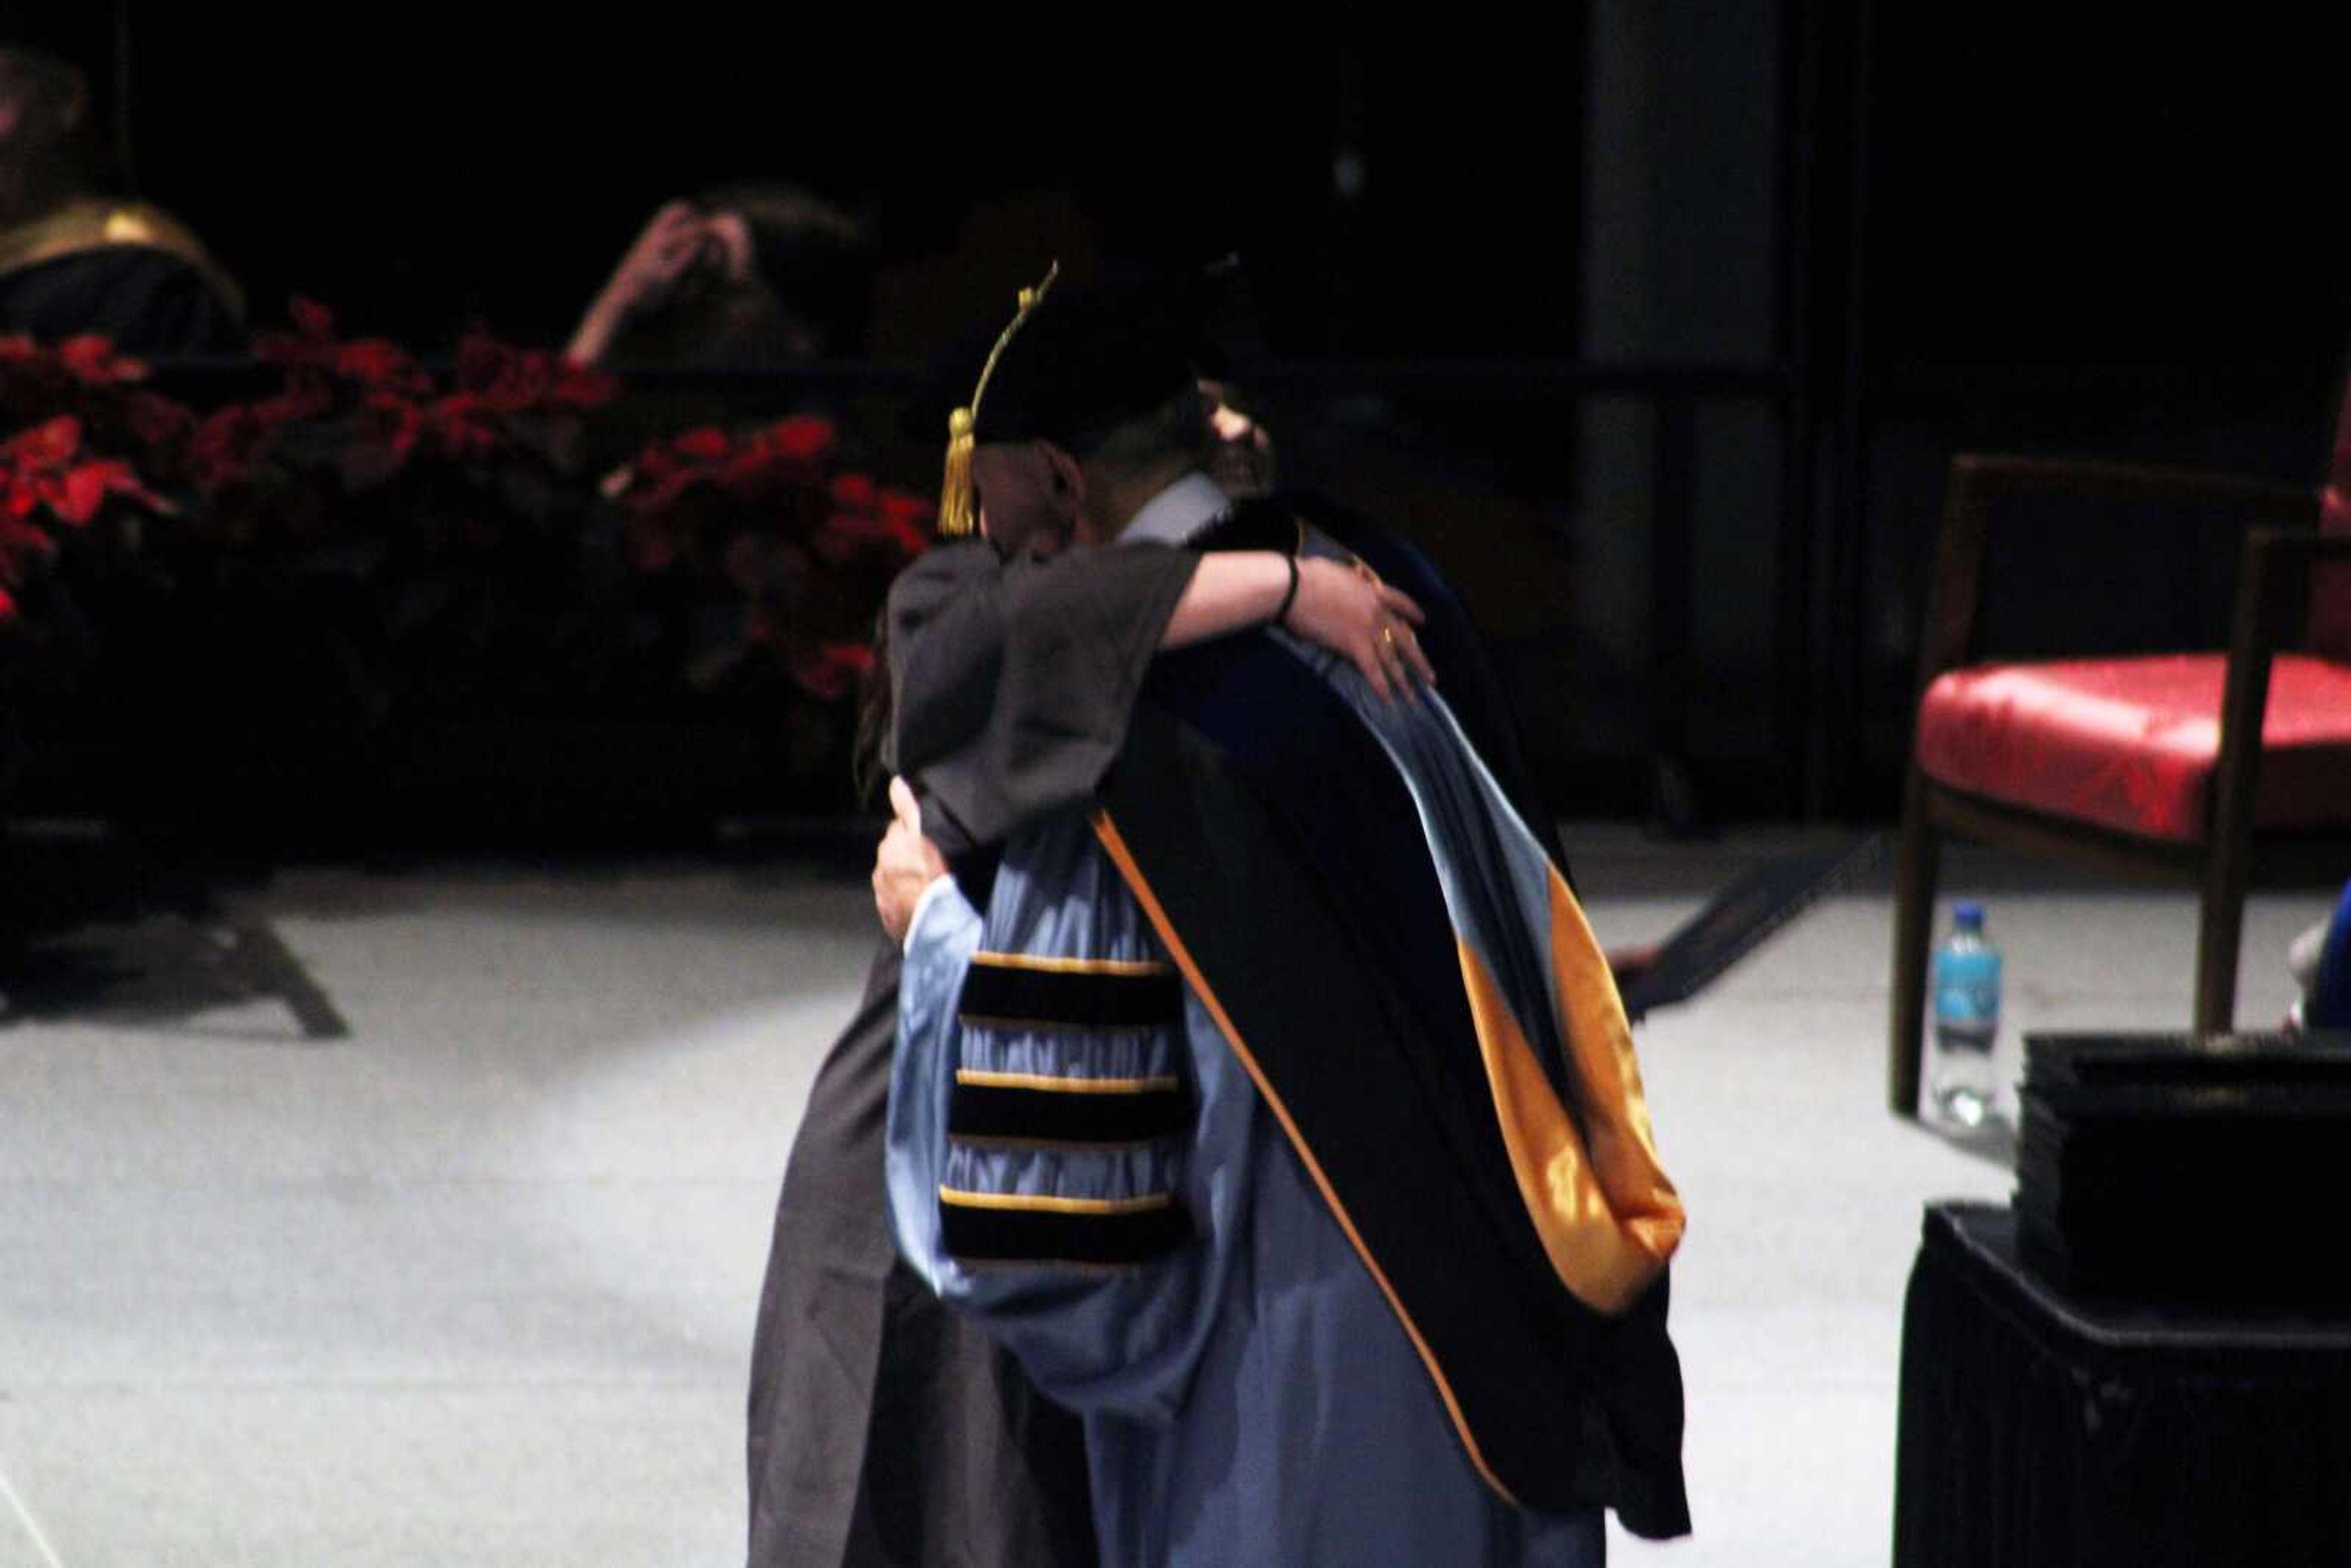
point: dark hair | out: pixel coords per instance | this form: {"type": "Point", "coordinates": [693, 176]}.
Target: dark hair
{"type": "Point", "coordinates": [1176, 429]}
{"type": "Point", "coordinates": [816, 259]}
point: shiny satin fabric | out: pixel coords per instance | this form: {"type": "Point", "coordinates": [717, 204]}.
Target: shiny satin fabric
{"type": "Point", "coordinates": [2131, 744]}
{"type": "Point", "coordinates": [1549, 1072]}
{"type": "Point", "coordinates": [1538, 988]}
{"type": "Point", "coordinates": [1271, 833]}
{"type": "Point", "coordinates": [1096, 1340]}
{"type": "Point", "coordinates": [1249, 1397]}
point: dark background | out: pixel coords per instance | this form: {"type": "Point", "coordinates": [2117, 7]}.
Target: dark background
{"type": "Point", "coordinates": [422, 170]}
{"type": "Point", "coordinates": [1657, 325]}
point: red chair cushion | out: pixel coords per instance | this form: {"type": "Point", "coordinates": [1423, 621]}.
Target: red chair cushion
{"type": "Point", "coordinates": [2130, 743]}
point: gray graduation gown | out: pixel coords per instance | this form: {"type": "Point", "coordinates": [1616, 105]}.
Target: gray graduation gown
{"type": "Point", "coordinates": [884, 1431]}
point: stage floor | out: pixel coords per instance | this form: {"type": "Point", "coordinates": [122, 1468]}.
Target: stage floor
{"type": "Point", "coordinates": [474, 1281]}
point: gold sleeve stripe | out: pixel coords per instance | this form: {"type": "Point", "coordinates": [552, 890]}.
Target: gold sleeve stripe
{"type": "Point", "coordinates": [1064, 1265]}
{"type": "Point", "coordinates": [1115, 846]}
{"type": "Point", "coordinates": [1054, 1026]}
{"type": "Point", "coordinates": [1070, 966]}
{"type": "Point", "coordinates": [987, 1080]}
{"type": "Point", "coordinates": [1038, 1203]}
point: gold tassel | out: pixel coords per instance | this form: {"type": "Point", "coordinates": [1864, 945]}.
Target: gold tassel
{"type": "Point", "coordinates": [957, 507]}
{"type": "Point", "coordinates": [958, 501]}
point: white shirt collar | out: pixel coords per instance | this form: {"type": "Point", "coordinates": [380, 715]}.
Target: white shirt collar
{"type": "Point", "coordinates": [1178, 512]}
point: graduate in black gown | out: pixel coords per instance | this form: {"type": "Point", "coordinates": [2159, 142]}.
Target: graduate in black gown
{"type": "Point", "coordinates": [76, 256]}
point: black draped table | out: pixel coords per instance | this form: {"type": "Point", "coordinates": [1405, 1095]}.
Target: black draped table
{"type": "Point", "coordinates": [2040, 1428]}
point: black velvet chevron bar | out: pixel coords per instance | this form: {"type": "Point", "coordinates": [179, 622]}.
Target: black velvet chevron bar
{"type": "Point", "coordinates": [988, 1111]}
{"type": "Point", "coordinates": [1030, 1236]}
{"type": "Point", "coordinates": [1066, 1000]}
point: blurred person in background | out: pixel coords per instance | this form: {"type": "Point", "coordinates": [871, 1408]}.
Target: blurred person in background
{"type": "Point", "coordinates": [748, 274]}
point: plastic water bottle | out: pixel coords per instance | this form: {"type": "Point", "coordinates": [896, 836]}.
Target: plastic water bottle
{"type": "Point", "coordinates": [1966, 988]}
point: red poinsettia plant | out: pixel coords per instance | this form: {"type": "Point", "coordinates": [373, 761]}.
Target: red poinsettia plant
{"type": "Point", "coordinates": [447, 511]}
{"type": "Point", "coordinates": [83, 448]}
{"type": "Point", "coordinates": [85, 378]}
{"type": "Point", "coordinates": [806, 545]}
{"type": "Point", "coordinates": [359, 419]}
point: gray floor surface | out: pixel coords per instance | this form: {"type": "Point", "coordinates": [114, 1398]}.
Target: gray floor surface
{"type": "Point", "coordinates": [474, 1284]}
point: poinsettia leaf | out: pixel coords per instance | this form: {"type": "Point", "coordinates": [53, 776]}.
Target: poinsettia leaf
{"type": "Point", "coordinates": [50, 443]}
{"type": "Point", "coordinates": [804, 437]}
{"type": "Point", "coordinates": [85, 492]}
{"type": "Point", "coordinates": [311, 319]}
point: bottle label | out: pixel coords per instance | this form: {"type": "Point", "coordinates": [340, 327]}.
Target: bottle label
{"type": "Point", "coordinates": [1966, 1002]}
{"type": "Point", "coordinates": [1967, 996]}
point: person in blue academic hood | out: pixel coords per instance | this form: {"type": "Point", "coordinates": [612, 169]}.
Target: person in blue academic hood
{"type": "Point", "coordinates": [1259, 1081]}
{"type": "Point", "coordinates": [883, 1429]}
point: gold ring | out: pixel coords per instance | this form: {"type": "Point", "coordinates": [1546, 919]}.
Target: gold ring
{"type": "Point", "coordinates": [1387, 635]}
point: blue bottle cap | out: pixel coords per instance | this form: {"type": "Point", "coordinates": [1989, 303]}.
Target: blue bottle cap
{"type": "Point", "coordinates": [1967, 913]}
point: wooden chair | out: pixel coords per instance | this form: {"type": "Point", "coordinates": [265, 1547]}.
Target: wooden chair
{"type": "Point", "coordinates": [2218, 769]}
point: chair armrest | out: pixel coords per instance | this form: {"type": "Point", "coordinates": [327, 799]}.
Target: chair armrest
{"type": "Point", "coordinates": [1977, 479]}
{"type": "Point", "coordinates": [2258, 500]}
{"type": "Point", "coordinates": [2272, 581]}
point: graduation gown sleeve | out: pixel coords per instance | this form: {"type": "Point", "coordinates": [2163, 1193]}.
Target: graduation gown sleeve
{"type": "Point", "coordinates": [1012, 684]}
{"type": "Point", "coordinates": [1060, 1153]}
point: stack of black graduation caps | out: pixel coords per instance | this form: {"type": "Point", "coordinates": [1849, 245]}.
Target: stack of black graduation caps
{"type": "Point", "coordinates": [2209, 1171]}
